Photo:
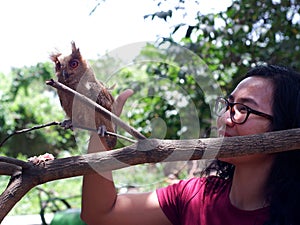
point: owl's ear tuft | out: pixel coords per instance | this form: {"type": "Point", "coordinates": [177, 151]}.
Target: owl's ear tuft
{"type": "Point", "coordinates": [75, 51]}
{"type": "Point", "coordinates": [54, 58]}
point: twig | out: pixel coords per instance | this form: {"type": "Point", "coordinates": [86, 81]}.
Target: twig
{"type": "Point", "coordinates": [106, 133]}
{"type": "Point", "coordinates": [91, 103]}
{"type": "Point", "coordinates": [54, 123]}
{"type": "Point", "coordinates": [121, 136]}
{"type": "Point", "coordinates": [27, 130]}
{"type": "Point", "coordinates": [94, 9]}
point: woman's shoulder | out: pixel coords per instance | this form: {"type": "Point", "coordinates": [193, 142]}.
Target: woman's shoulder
{"type": "Point", "coordinates": [199, 185]}
{"type": "Point", "coordinates": [206, 189]}
{"type": "Point", "coordinates": [211, 181]}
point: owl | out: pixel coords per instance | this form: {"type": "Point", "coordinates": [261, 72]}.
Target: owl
{"type": "Point", "coordinates": [75, 72]}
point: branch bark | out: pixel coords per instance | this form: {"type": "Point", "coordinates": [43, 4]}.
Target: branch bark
{"type": "Point", "coordinates": [25, 175]}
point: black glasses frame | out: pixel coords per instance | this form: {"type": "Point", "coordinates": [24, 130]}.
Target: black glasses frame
{"type": "Point", "coordinates": [230, 105]}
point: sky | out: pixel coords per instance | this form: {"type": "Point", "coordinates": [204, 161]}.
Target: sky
{"type": "Point", "coordinates": [33, 29]}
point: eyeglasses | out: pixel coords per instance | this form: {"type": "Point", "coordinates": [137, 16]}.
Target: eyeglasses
{"type": "Point", "coordinates": [239, 112]}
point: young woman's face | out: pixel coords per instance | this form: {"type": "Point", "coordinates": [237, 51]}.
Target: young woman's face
{"type": "Point", "coordinates": [256, 93]}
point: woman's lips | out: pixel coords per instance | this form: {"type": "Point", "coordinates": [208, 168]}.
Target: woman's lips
{"type": "Point", "coordinates": [222, 133]}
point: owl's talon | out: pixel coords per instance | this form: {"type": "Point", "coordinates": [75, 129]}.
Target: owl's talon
{"type": "Point", "coordinates": [67, 124]}
{"type": "Point", "coordinates": [102, 130]}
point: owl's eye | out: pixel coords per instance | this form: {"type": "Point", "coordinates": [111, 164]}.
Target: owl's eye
{"type": "Point", "coordinates": [73, 63]}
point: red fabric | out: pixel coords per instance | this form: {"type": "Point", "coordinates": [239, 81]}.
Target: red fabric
{"type": "Point", "coordinates": [205, 201]}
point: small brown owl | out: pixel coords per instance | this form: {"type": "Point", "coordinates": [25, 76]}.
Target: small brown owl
{"type": "Point", "coordinates": [74, 72]}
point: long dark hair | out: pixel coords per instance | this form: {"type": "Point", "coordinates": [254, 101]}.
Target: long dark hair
{"type": "Point", "coordinates": [284, 180]}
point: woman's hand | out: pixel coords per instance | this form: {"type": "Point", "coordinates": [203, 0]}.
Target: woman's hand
{"type": "Point", "coordinates": [120, 101]}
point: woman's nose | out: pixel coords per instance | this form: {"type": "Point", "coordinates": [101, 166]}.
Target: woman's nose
{"type": "Point", "coordinates": [225, 120]}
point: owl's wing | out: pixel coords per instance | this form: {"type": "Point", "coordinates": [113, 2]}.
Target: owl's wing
{"type": "Point", "coordinates": [104, 97]}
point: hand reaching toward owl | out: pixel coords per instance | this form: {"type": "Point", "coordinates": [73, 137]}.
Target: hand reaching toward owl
{"type": "Point", "coordinates": [74, 71]}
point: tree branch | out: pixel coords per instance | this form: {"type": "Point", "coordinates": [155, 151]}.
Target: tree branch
{"type": "Point", "coordinates": [144, 151]}
{"type": "Point", "coordinates": [8, 169]}
{"type": "Point", "coordinates": [13, 161]}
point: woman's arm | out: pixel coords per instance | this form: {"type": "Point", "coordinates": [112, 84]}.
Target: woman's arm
{"type": "Point", "coordinates": [102, 205]}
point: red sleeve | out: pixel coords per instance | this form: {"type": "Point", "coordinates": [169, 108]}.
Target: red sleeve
{"type": "Point", "coordinates": [174, 199]}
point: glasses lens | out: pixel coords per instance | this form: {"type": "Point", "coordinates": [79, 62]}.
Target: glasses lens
{"type": "Point", "coordinates": [220, 107]}
{"type": "Point", "coordinates": [239, 113]}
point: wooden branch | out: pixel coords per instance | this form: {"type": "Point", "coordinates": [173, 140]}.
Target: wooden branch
{"type": "Point", "coordinates": [13, 161]}
{"type": "Point", "coordinates": [115, 119]}
{"type": "Point", "coordinates": [8, 169]}
{"type": "Point", "coordinates": [144, 151]}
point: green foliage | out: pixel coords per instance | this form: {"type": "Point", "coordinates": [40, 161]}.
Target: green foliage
{"type": "Point", "coordinates": [30, 203]}
{"type": "Point", "coordinates": [29, 78]}
{"type": "Point", "coordinates": [229, 43]}
{"type": "Point", "coordinates": [173, 93]}
{"type": "Point", "coordinates": [25, 102]}
{"type": "Point", "coordinates": [146, 178]}
{"type": "Point", "coordinates": [246, 34]}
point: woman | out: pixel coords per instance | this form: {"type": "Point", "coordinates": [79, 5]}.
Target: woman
{"type": "Point", "coordinates": [256, 189]}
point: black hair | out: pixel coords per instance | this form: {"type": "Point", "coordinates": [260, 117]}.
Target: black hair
{"type": "Point", "coordinates": [286, 82]}
{"type": "Point", "coordinates": [284, 180]}
{"type": "Point", "coordinates": [283, 185]}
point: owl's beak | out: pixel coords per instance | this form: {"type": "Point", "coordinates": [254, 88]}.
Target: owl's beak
{"type": "Point", "coordinates": [65, 74]}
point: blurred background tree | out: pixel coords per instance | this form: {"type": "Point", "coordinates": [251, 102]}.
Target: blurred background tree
{"type": "Point", "coordinates": [229, 43]}
{"type": "Point", "coordinates": [26, 102]}
{"type": "Point", "coordinates": [246, 34]}
{"type": "Point", "coordinates": [172, 98]}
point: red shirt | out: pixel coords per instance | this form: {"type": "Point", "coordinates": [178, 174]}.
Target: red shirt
{"type": "Point", "coordinates": [205, 201]}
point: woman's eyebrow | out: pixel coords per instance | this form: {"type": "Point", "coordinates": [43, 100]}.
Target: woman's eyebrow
{"type": "Point", "coordinates": [243, 100]}
{"type": "Point", "coordinates": [230, 98]}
